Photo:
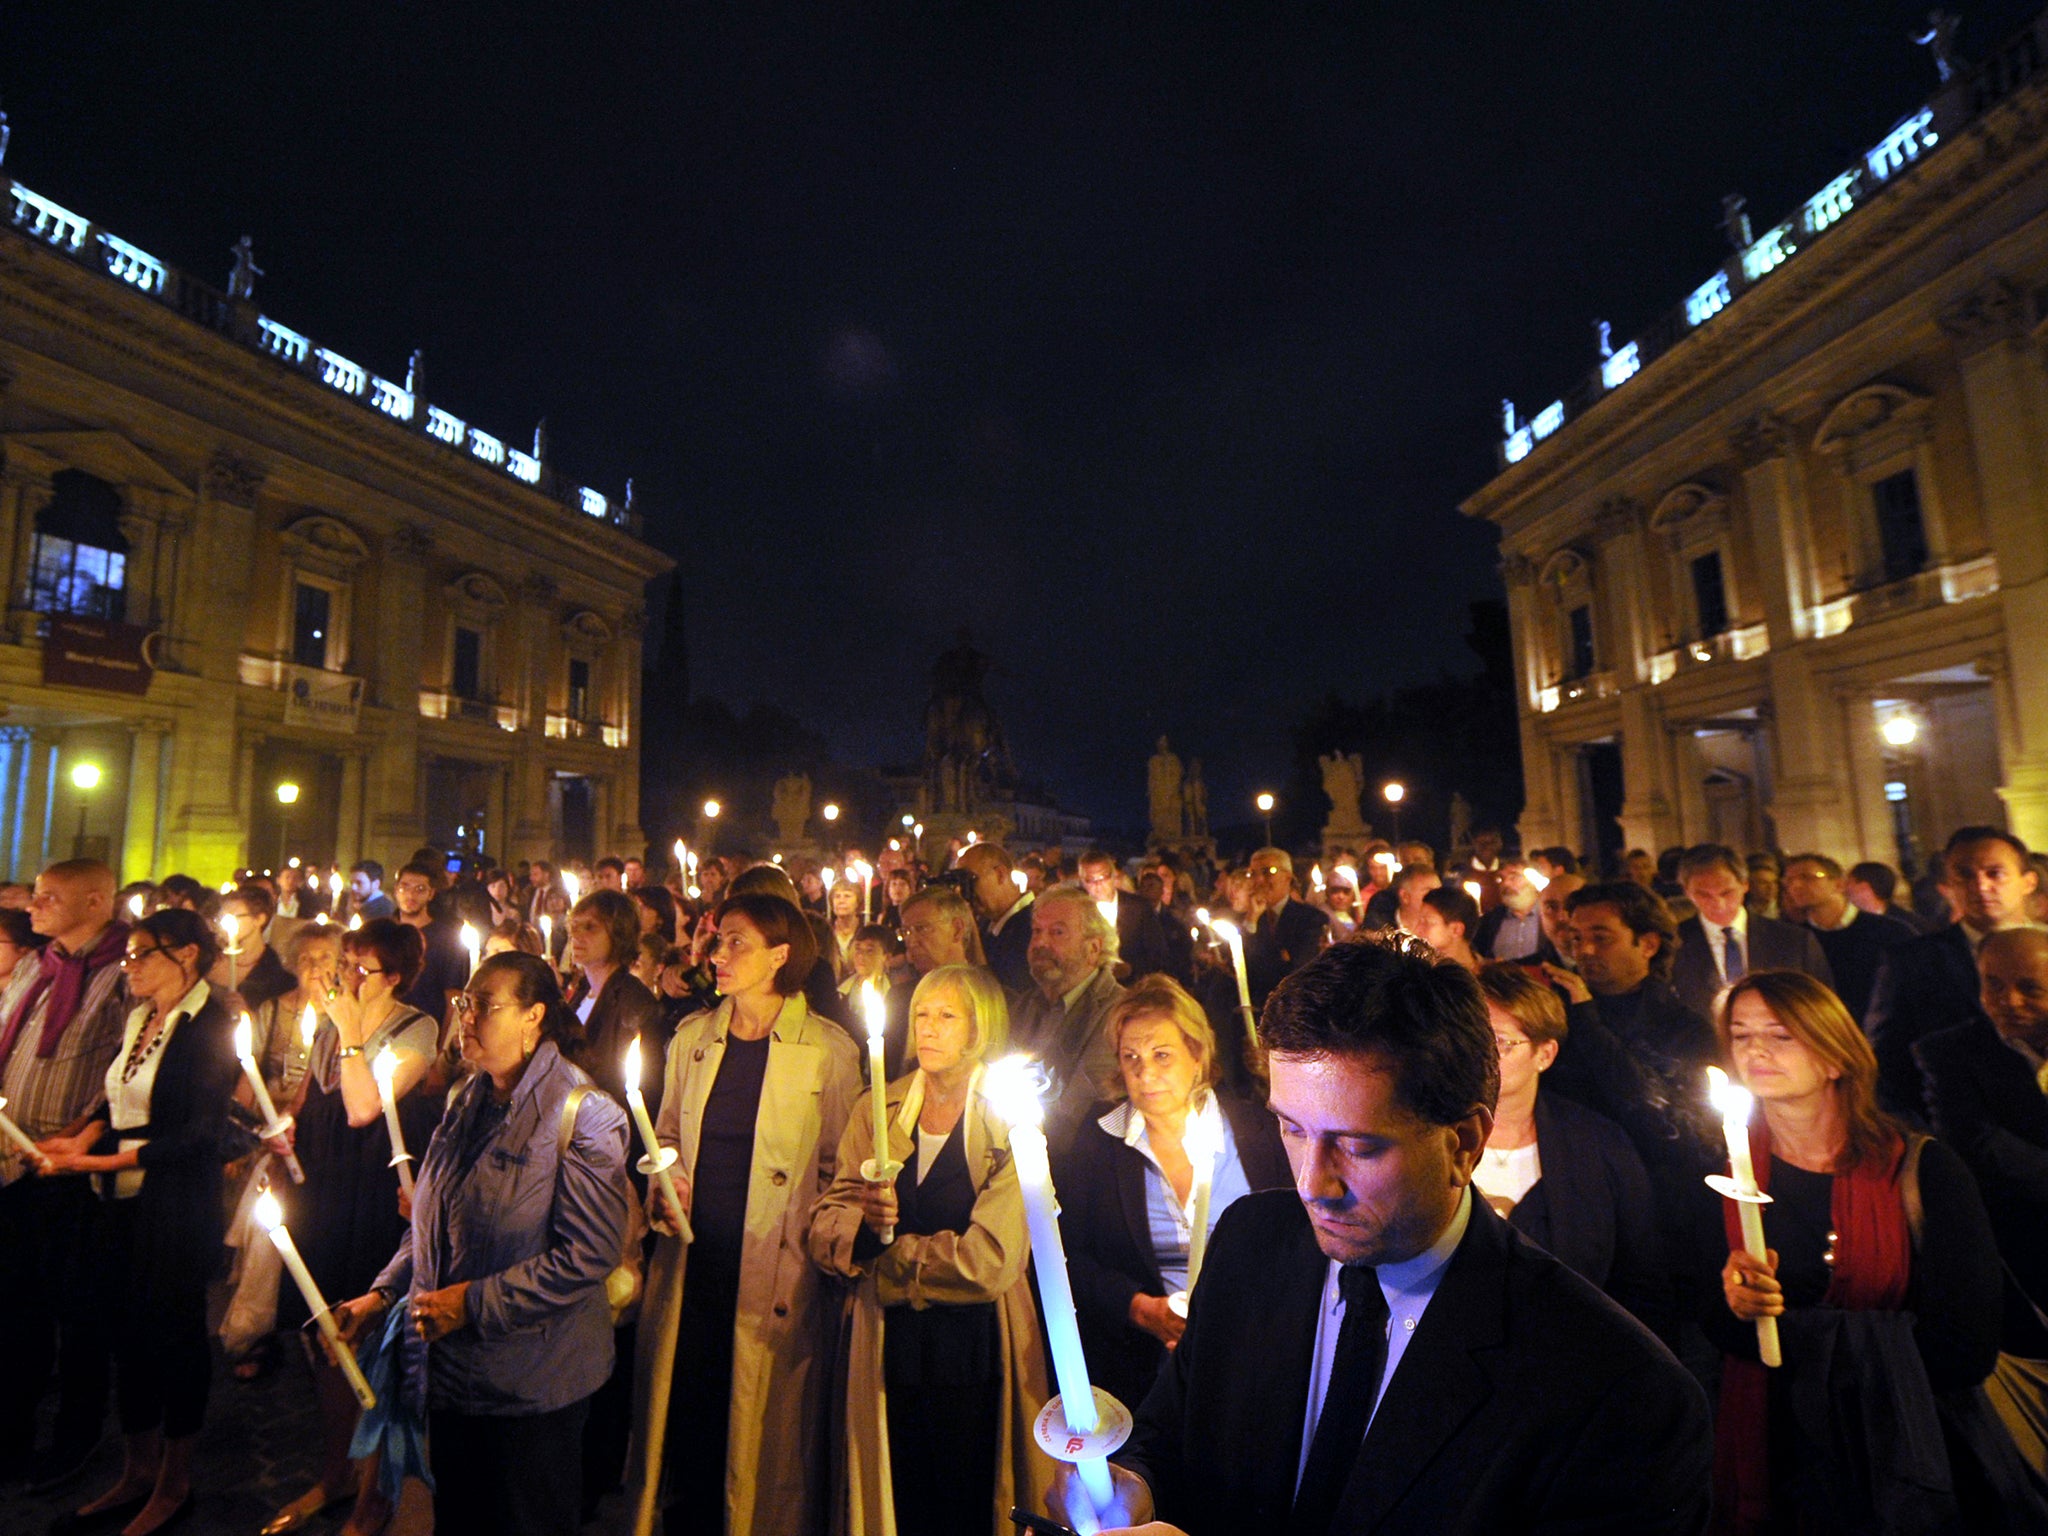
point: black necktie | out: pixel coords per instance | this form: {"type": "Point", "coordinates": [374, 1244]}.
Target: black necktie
{"type": "Point", "coordinates": [1734, 970]}
{"type": "Point", "coordinates": [1347, 1400]}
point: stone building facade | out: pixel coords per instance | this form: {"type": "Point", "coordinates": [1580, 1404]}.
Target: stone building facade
{"type": "Point", "coordinates": [1778, 571]}
{"type": "Point", "coordinates": [234, 560]}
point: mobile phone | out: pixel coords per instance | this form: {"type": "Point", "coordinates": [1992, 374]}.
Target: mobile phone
{"type": "Point", "coordinates": [1038, 1525]}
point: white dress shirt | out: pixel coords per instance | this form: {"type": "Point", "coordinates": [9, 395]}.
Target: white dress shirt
{"type": "Point", "coordinates": [1717, 941]}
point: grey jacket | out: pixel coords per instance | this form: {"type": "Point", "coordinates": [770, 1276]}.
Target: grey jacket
{"type": "Point", "coordinates": [534, 1233]}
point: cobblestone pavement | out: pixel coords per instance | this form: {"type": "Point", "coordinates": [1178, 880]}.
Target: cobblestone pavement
{"type": "Point", "coordinates": [255, 1453]}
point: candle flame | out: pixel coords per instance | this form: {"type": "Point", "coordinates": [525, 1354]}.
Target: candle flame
{"type": "Point", "coordinates": [1472, 889]}
{"type": "Point", "coordinates": [572, 887]}
{"type": "Point", "coordinates": [384, 1068]}
{"type": "Point", "coordinates": [1202, 915]}
{"type": "Point", "coordinates": [1315, 876]}
{"type": "Point", "coordinates": [1348, 875]}
{"type": "Point", "coordinates": [1202, 1140]}
{"type": "Point", "coordinates": [633, 1066]}
{"type": "Point", "coordinates": [1015, 1088]}
{"type": "Point", "coordinates": [355, 921]}
{"type": "Point", "coordinates": [1224, 929]}
{"type": "Point", "coordinates": [682, 856]}
{"type": "Point", "coordinates": [309, 1026]}
{"type": "Point", "coordinates": [334, 884]}
{"type": "Point", "coordinates": [135, 904]}
{"type": "Point", "coordinates": [268, 1213]}
{"type": "Point", "coordinates": [1108, 911]}
{"type": "Point", "coordinates": [230, 925]}
{"type": "Point", "coordinates": [1537, 878]}
{"type": "Point", "coordinates": [470, 940]}
{"type": "Point", "coordinates": [875, 1008]}
{"type": "Point", "coordinates": [1021, 880]}
{"type": "Point", "coordinates": [245, 1039]}
{"type": "Point", "coordinates": [827, 876]}
{"type": "Point", "coordinates": [1732, 1101]}
{"type": "Point", "coordinates": [863, 871]}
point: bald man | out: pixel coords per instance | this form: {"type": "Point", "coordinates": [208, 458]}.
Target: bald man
{"type": "Point", "coordinates": [1283, 934]}
{"type": "Point", "coordinates": [1987, 1092]}
{"type": "Point", "coordinates": [61, 1023]}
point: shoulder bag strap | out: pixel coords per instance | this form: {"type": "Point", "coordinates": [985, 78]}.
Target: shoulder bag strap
{"type": "Point", "coordinates": [574, 1102]}
{"type": "Point", "coordinates": [1909, 1188]}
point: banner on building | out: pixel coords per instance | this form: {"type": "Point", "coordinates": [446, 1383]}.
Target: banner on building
{"type": "Point", "coordinates": [98, 654]}
{"type": "Point", "coordinates": [326, 701]}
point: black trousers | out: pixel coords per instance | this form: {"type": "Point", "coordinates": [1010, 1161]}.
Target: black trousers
{"type": "Point", "coordinates": [163, 1359]}
{"type": "Point", "coordinates": [610, 1424]}
{"type": "Point", "coordinates": [508, 1476]}
{"type": "Point", "coordinates": [941, 1456]}
{"type": "Point", "coordinates": [53, 1308]}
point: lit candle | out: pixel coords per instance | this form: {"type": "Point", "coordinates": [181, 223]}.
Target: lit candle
{"type": "Point", "coordinates": [231, 926]}
{"type": "Point", "coordinates": [866, 872]}
{"type": "Point", "coordinates": [355, 921]}
{"type": "Point", "coordinates": [1315, 877]}
{"type": "Point", "coordinates": [878, 1169]}
{"type": "Point", "coordinates": [334, 887]}
{"type": "Point", "coordinates": [135, 906]}
{"type": "Point", "coordinates": [1202, 1149]}
{"type": "Point", "coordinates": [1473, 889]}
{"type": "Point", "coordinates": [572, 886]}
{"type": "Point", "coordinates": [659, 1159]}
{"type": "Point", "coordinates": [682, 858]}
{"type": "Point", "coordinates": [270, 1217]}
{"type": "Point", "coordinates": [1108, 911]}
{"type": "Point", "coordinates": [1228, 932]}
{"type": "Point", "coordinates": [1734, 1104]}
{"type": "Point", "coordinates": [1013, 1086]}
{"type": "Point", "coordinates": [384, 1069]}
{"type": "Point", "coordinates": [473, 946]}
{"type": "Point", "coordinates": [1021, 880]}
{"type": "Point", "coordinates": [547, 937]}
{"type": "Point", "coordinates": [1391, 862]}
{"type": "Point", "coordinates": [21, 1138]}
{"type": "Point", "coordinates": [273, 1125]}
{"type": "Point", "coordinates": [1536, 878]}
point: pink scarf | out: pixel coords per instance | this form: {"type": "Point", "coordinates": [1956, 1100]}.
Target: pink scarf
{"type": "Point", "coordinates": [65, 977]}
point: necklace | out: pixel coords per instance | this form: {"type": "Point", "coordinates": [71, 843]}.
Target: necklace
{"type": "Point", "coordinates": [141, 1052]}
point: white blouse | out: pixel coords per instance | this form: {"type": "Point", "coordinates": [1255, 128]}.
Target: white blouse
{"type": "Point", "coordinates": [129, 1089]}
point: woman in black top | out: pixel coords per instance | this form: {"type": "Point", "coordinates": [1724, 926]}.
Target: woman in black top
{"type": "Point", "coordinates": [156, 1141]}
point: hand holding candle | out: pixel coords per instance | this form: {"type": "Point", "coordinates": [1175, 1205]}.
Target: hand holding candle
{"type": "Point", "coordinates": [473, 946]}
{"type": "Point", "coordinates": [1080, 1425]}
{"type": "Point", "coordinates": [23, 1142]}
{"type": "Point", "coordinates": [1735, 1104]}
{"type": "Point", "coordinates": [659, 1159]}
{"type": "Point", "coordinates": [1202, 1148]}
{"type": "Point", "coordinates": [385, 1069]}
{"type": "Point", "coordinates": [270, 1217]}
{"type": "Point", "coordinates": [274, 1124]}
{"type": "Point", "coordinates": [878, 1169]}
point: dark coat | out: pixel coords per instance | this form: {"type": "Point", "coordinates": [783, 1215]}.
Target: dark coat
{"type": "Point", "coordinates": [1854, 954]}
{"type": "Point", "coordinates": [625, 1008]}
{"type": "Point", "coordinates": [1108, 1236]}
{"type": "Point", "coordinates": [1007, 951]}
{"type": "Point", "coordinates": [1489, 930]}
{"type": "Point", "coordinates": [1140, 937]}
{"type": "Point", "coordinates": [1526, 1400]}
{"type": "Point", "coordinates": [179, 1220]}
{"type": "Point", "coordinates": [1282, 944]}
{"type": "Point", "coordinates": [1773, 945]}
{"type": "Point", "coordinates": [1986, 1104]}
{"type": "Point", "coordinates": [1592, 1208]}
{"type": "Point", "coordinates": [1923, 985]}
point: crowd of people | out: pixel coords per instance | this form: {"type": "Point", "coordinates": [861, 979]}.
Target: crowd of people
{"type": "Point", "coordinates": [1480, 1080]}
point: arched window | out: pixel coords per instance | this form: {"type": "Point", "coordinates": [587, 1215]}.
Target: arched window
{"type": "Point", "coordinates": [80, 559]}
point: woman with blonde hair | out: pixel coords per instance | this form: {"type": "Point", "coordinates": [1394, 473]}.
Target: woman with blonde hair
{"type": "Point", "coordinates": [945, 1369]}
{"type": "Point", "coordinates": [1127, 1185]}
{"type": "Point", "coordinates": [1882, 1274]}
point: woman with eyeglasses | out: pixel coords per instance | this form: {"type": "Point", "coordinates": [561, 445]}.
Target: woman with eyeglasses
{"type": "Point", "coordinates": [1564, 1176]}
{"type": "Point", "coordinates": [346, 1217]}
{"type": "Point", "coordinates": [519, 1214]}
{"type": "Point", "coordinates": [734, 1342]}
{"type": "Point", "coordinates": [156, 1143]}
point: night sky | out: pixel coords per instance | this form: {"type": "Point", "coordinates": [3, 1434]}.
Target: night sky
{"type": "Point", "coordinates": [1156, 345]}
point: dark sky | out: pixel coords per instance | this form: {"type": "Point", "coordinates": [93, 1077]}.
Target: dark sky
{"type": "Point", "coordinates": [1156, 344]}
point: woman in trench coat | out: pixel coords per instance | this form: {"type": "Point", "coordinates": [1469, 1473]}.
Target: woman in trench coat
{"type": "Point", "coordinates": [735, 1337]}
{"type": "Point", "coordinates": [960, 1289]}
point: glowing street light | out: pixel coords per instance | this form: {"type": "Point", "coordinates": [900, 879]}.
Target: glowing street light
{"type": "Point", "coordinates": [711, 810]}
{"type": "Point", "coordinates": [1901, 730]}
{"type": "Point", "coordinates": [85, 778]}
{"type": "Point", "coordinates": [831, 812]}
{"type": "Point", "coordinates": [1265, 803]}
{"type": "Point", "coordinates": [1395, 792]}
{"type": "Point", "coordinates": [287, 797]}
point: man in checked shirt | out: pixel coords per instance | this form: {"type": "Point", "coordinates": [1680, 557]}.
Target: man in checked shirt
{"type": "Point", "coordinates": [61, 1021]}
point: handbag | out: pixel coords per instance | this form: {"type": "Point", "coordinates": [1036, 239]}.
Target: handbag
{"type": "Point", "coordinates": [624, 1284]}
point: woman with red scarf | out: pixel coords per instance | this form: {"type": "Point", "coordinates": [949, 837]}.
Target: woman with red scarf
{"type": "Point", "coordinates": [1883, 1275]}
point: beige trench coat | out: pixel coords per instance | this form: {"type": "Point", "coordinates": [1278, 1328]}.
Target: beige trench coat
{"type": "Point", "coordinates": [987, 1262]}
{"type": "Point", "coordinates": [786, 1322]}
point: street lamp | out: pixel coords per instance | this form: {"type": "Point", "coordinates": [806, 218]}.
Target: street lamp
{"type": "Point", "coordinates": [1395, 792]}
{"type": "Point", "coordinates": [287, 797]}
{"type": "Point", "coordinates": [1902, 730]}
{"type": "Point", "coordinates": [831, 812]}
{"type": "Point", "coordinates": [1265, 804]}
{"type": "Point", "coordinates": [85, 778]}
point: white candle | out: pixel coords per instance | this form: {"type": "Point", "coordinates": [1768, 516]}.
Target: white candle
{"type": "Point", "coordinates": [1202, 1151]}
{"type": "Point", "coordinates": [1474, 890]}
{"type": "Point", "coordinates": [1013, 1086]}
{"type": "Point", "coordinates": [658, 1158]}
{"type": "Point", "coordinates": [20, 1138]}
{"type": "Point", "coordinates": [866, 871]}
{"type": "Point", "coordinates": [547, 938]}
{"type": "Point", "coordinates": [572, 886]}
{"type": "Point", "coordinates": [245, 1051]}
{"type": "Point", "coordinates": [682, 858]}
{"type": "Point", "coordinates": [385, 1069]}
{"type": "Point", "coordinates": [1227, 931]}
{"type": "Point", "coordinates": [1734, 1104]}
{"type": "Point", "coordinates": [135, 905]}
{"type": "Point", "coordinates": [270, 1217]}
{"type": "Point", "coordinates": [231, 925]}
{"type": "Point", "coordinates": [878, 1169]}
{"type": "Point", "coordinates": [473, 946]}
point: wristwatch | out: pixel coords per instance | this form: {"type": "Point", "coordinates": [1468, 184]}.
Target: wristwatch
{"type": "Point", "coordinates": [347, 1051]}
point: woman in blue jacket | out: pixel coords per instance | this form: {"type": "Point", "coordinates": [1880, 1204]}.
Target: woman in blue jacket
{"type": "Point", "coordinates": [519, 1214]}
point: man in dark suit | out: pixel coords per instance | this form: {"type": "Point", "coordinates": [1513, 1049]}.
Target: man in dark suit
{"type": "Point", "coordinates": [1854, 941]}
{"type": "Point", "coordinates": [1002, 906]}
{"type": "Point", "coordinates": [1930, 983]}
{"type": "Point", "coordinates": [1140, 937]}
{"type": "Point", "coordinates": [1870, 887]}
{"type": "Point", "coordinates": [1513, 929]}
{"type": "Point", "coordinates": [1375, 1350]}
{"type": "Point", "coordinates": [1987, 1092]}
{"type": "Point", "coordinates": [1727, 941]}
{"type": "Point", "coordinates": [1281, 934]}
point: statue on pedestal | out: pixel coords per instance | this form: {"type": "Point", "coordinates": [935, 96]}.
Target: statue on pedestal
{"type": "Point", "coordinates": [966, 761]}
{"type": "Point", "coordinates": [792, 808]}
{"type": "Point", "coordinates": [1461, 823]}
{"type": "Point", "coordinates": [242, 276]}
{"type": "Point", "coordinates": [1344, 783]}
{"type": "Point", "coordinates": [1194, 799]}
{"type": "Point", "coordinates": [1163, 780]}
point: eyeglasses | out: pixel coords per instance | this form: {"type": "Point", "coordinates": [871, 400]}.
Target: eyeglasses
{"type": "Point", "coordinates": [468, 1008]}
{"type": "Point", "coordinates": [1506, 1044]}
{"type": "Point", "coordinates": [135, 957]}
{"type": "Point", "coordinates": [414, 888]}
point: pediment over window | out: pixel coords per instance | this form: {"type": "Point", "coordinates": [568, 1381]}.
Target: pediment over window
{"type": "Point", "coordinates": [104, 455]}
{"type": "Point", "coordinates": [1687, 505]}
{"type": "Point", "coordinates": [324, 544]}
{"type": "Point", "coordinates": [586, 632]}
{"type": "Point", "coordinates": [477, 594]}
{"type": "Point", "coordinates": [1875, 408]}
{"type": "Point", "coordinates": [1565, 567]}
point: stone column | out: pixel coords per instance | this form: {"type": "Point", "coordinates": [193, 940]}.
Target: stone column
{"type": "Point", "coordinates": [1542, 820]}
{"type": "Point", "coordinates": [2002, 391]}
{"type": "Point", "coordinates": [1809, 792]}
{"type": "Point", "coordinates": [1689, 778]}
{"type": "Point", "coordinates": [495, 802]}
{"type": "Point", "coordinates": [1774, 494]}
{"type": "Point", "coordinates": [34, 830]}
{"type": "Point", "coordinates": [1624, 591]}
{"type": "Point", "coordinates": [348, 818]}
{"type": "Point", "coordinates": [142, 832]}
{"type": "Point", "coordinates": [1875, 839]}
{"type": "Point", "coordinates": [531, 833]}
{"type": "Point", "coordinates": [626, 833]}
{"type": "Point", "coordinates": [1648, 815]}
{"type": "Point", "coordinates": [395, 825]}
{"type": "Point", "coordinates": [1518, 572]}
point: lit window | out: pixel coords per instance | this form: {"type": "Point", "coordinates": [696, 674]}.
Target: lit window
{"type": "Point", "coordinates": [79, 561]}
{"type": "Point", "coordinates": [312, 619]}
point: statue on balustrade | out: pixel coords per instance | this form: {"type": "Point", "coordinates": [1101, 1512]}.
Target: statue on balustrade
{"type": "Point", "coordinates": [966, 760]}
{"type": "Point", "coordinates": [242, 276]}
{"type": "Point", "coordinates": [1194, 798]}
{"type": "Point", "coordinates": [1344, 783]}
{"type": "Point", "coordinates": [792, 808]}
{"type": "Point", "coordinates": [1164, 777]}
